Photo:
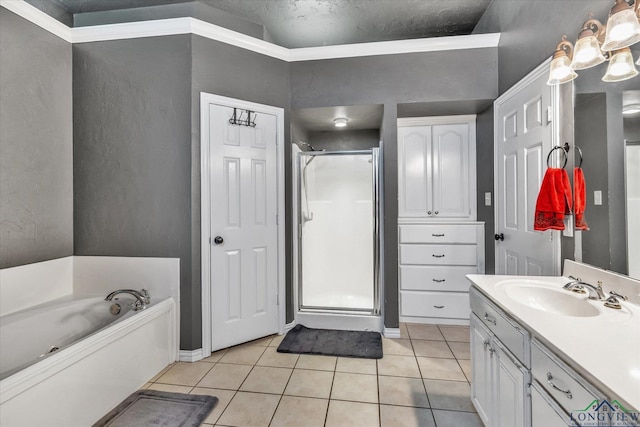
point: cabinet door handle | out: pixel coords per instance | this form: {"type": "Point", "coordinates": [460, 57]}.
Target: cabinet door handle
{"type": "Point", "coordinates": [437, 256]}
{"type": "Point", "coordinates": [566, 392]}
{"type": "Point", "coordinates": [438, 280]}
{"type": "Point", "coordinates": [438, 235]}
{"type": "Point", "coordinates": [428, 212]}
{"type": "Point", "coordinates": [436, 212]}
{"type": "Point", "coordinates": [489, 319]}
{"type": "Point", "coordinates": [439, 306]}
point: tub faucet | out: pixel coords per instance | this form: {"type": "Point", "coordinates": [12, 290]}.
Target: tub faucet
{"type": "Point", "coordinates": [577, 285]}
{"type": "Point", "coordinates": [142, 297]}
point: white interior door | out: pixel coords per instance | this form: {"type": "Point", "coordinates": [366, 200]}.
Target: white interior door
{"type": "Point", "coordinates": [243, 227]}
{"type": "Point", "coordinates": [524, 134]}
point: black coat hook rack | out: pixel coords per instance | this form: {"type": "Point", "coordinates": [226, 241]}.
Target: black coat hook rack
{"type": "Point", "coordinates": [243, 118]}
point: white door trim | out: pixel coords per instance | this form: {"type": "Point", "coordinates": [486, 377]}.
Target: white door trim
{"type": "Point", "coordinates": [205, 211]}
{"type": "Point", "coordinates": [555, 130]}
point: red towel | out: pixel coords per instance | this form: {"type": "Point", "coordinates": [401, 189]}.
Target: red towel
{"type": "Point", "coordinates": [554, 200]}
{"type": "Point", "coordinates": [580, 197]}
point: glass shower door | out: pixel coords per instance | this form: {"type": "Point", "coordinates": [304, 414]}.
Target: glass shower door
{"type": "Point", "coordinates": [338, 231]}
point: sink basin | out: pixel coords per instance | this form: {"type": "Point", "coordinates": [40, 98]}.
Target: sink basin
{"type": "Point", "coordinates": [544, 297]}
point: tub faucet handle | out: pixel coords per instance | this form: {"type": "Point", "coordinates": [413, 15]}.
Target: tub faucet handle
{"type": "Point", "coordinates": [145, 296]}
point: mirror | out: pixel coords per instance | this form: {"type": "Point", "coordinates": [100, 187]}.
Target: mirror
{"type": "Point", "coordinates": [610, 147]}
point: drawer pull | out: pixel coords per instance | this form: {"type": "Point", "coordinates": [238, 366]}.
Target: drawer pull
{"type": "Point", "coordinates": [566, 392]}
{"type": "Point", "coordinates": [438, 235]}
{"type": "Point", "coordinates": [439, 306]}
{"type": "Point", "coordinates": [489, 319]}
{"type": "Point", "coordinates": [438, 280]}
{"type": "Point", "coordinates": [437, 256]}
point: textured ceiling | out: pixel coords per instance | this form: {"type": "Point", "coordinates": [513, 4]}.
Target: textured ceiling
{"type": "Point", "coordinates": [306, 23]}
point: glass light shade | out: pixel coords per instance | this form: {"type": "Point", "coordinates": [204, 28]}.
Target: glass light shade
{"type": "Point", "coordinates": [340, 122]}
{"type": "Point", "coordinates": [620, 67]}
{"type": "Point", "coordinates": [587, 53]}
{"type": "Point", "coordinates": [560, 71]}
{"type": "Point", "coordinates": [623, 29]}
{"type": "Point", "coordinates": [631, 109]}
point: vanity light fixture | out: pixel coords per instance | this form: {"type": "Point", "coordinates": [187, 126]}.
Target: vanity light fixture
{"type": "Point", "coordinates": [587, 53]}
{"type": "Point", "coordinates": [630, 109]}
{"type": "Point", "coordinates": [560, 70]}
{"type": "Point", "coordinates": [623, 28]}
{"type": "Point", "coordinates": [620, 66]}
{"type": "Point", "coordinates": [340, 122]}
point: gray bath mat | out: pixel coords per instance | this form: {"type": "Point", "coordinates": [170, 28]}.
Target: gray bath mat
{"type": "Point", "coordinates": [330, 342]}
{"type": "Point", "coordinates": [146, 408]}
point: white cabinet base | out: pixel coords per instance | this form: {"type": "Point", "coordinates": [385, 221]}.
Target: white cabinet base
{"type": "Point", "coordinates": [434, 320]}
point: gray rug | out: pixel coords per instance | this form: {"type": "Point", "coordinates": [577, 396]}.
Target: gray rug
{"type": "Point", "coordinates": [146, 408]}
{"type": "Point", "coordinates": [330, 342]}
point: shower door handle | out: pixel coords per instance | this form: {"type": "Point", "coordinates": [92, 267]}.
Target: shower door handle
{"type": "Point", "coordinates": [218, 240]}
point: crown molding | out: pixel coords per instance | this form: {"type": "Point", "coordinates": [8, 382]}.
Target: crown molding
{"type": "Point", "coordinates": [38, 17]}
{"type": "Point", "coordinates": [474, 41]}
{"type": "Point", "coordinates": [173, 26]}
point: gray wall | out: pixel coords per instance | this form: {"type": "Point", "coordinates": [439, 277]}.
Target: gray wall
{"type": "Point", "coordinates": [36, 181]}
{"type": "Point", "coordinates": [341, 140]}
{"type": "Point", "coordinates": [225, 70]}
{"type": "Point", "coordinates": [591, 130]}
{"type": "Point", "coordinates": [392, 79]}
{"type": "Point", "coordinates": [137, 147]}
{"type": "Point", "coordinates": [530, 31]}
{"type": "Point", "coordinates": [132, 154]}
{"type": "Point", "coordinates": [485, 178]}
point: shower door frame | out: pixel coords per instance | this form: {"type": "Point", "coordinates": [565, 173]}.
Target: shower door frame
{"type": "Point", "coordinates": [375, 161]}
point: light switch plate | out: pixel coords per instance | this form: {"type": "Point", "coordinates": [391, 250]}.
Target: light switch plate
{"type": "Point", "coordinates": [487, 198]}
{"type": "Point", "coordinates": [597, 198]}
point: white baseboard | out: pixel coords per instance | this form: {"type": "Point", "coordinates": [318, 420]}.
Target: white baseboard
{"type": "Point", "coordinates": [391, 332]}
{"type": "Point", "coordinates": [190, 355]}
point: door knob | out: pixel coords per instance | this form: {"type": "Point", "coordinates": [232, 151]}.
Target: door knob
{"type": "Point", "coordinates": [499, 236]}
{"type": "Point", "coordinates": [218, 240]}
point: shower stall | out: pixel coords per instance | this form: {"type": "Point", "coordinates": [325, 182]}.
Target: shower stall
{"type": "Point", "coordinates": [338, 247]}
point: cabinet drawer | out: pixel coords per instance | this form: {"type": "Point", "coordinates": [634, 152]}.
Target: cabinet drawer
{"type": "Point", "coordinates": [435, 304]}
{"type": "Point", "coordinates": [425, 278]}
{"type": "Point", "coordinates": [544, 411]}
{"type": "Point", "coordinates": [550, 371]}
{"type": "Point", "coordinates": [512, 336]}
{"type": "Point", "coordinates": [439, 254]}
{"type": "Point", "coordinates": [433, 233]}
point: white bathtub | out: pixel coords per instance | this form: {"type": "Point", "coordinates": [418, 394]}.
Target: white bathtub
{"type": "Point", "coordinates": [101, 359]}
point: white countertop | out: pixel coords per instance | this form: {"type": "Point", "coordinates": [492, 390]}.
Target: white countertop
{"type": "Point", "coordinates": [605, 348]}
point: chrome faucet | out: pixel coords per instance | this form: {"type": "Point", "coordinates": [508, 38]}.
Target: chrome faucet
{"type": "Point", "coordinates": [142, 297]}
{"type": "Point", "coordinates": [595, 292]}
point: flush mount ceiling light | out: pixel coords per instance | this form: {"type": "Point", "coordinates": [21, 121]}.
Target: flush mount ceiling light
{"type": "Point", "coordinates": [620, 66]}
{"type": "Point", "coordinates": [340, 122]}
{"type": "Point", "coordinates": [587, 53]}
{"type": "Point", "coordinates": [560, 70]}
{"type": "Point", "coordinates": [623, 28]}
{"type": "Point", "coordinates": [630, 109]}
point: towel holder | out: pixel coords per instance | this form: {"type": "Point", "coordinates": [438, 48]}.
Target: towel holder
{"type": "Point", "coordinates": [580, 154]}
{"type": "Point", "coordinates": [564, 148]}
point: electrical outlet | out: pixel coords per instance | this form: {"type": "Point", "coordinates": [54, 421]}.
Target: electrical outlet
{"type": "Point", "coordinates": [487, 198]}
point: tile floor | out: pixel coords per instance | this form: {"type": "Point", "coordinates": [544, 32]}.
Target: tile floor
{"type": "Point", "coordinates": [422, 380]}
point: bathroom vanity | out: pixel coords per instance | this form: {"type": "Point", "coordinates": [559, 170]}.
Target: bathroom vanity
{"type": "Point", "coordinates": [544, 356]}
